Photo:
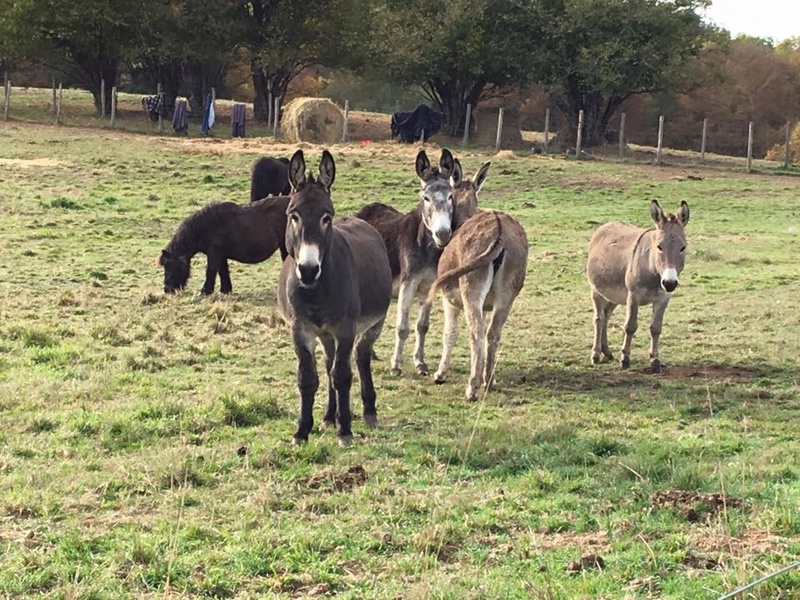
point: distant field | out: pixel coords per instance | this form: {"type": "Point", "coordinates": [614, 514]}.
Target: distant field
{"type": "Point", "coordinates": [144, 439]}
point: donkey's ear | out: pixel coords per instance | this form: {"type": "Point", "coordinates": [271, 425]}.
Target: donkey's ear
{"type": "Point", "coordinates": [683, 213]}
{"type": "Point", "coordinates": [446, 163]}
{"type": "Point", "coordinates": [163, 258]}
{"type": "Point", "coordinates": [327, 170]}
{"type": "Point", "coordinates": [458, 173]}
{"type": "Point", "coordinates": [423, 166]}
{"type": "Point", "coordinates": [297, 170]}
{"type": "Point", "coordinates": [480, 176]}
{"type": "Point", "coordinates": [656, 213]}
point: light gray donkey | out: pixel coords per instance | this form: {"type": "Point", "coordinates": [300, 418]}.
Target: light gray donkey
{"type": "Point", "coordinates": [634, 266]}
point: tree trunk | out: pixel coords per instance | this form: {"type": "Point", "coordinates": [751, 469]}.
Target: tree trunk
{"type": "Point", "coordinates": [260, 88]}
{"type": "Point", "coordinates": [200, 77]}
{"type": "Point", "coordinates": [452, 97]}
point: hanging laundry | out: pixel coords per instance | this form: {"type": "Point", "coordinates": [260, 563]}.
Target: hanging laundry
{"type": "Point", "coordinates": [208, 114]}
{"type": "Point", "coordinates": [238, 117]}
{"type": "Point", "coordinates": [180, 120]}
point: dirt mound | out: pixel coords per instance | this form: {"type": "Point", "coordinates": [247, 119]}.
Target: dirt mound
{"type": "Point", "coordinates": [336, 482]}
{"type": "Point", "coordinates": [694, 505]}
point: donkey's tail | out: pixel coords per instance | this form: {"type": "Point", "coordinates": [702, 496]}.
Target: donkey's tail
{"type": "Point", "coordinates": [484, 259]}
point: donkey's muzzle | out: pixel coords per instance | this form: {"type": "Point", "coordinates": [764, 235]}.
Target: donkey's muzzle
{"type": "Point", "coordinates": [669, 284]}
{"type": "Point", "coordinates": [308, 274]}
{"type": "Point", "coordinates": [441, 237]}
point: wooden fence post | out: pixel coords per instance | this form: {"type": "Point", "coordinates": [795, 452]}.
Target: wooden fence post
{"type": "Point", "coordinates": [580, 135]}
{"type": "Point", "coordinates": [54, 94]}
{"type": "Point", "coordinates": [277, 115]}
{"type": "Point", "coordinates": [787, 157]}
{"type": "Point", "coordinates": [622, 135]}
{"type": "Point", "coordinates": [703, 141]}
{"type": "Point", "coordinates": [113, 106]}
{"type": "Point", "coordinates": [660, 139]}
{"type": "Point", "coordinates": [59, 101]}
{"type": "Point", "coordinates": [160, 120]}
{"type": "Point", "coordinates": [102, 98]}
{"type": "Point", "coordinates": [499, 138]}
{"type": "Point", "coordinates": [6, 97]}
{"type": "Point", "coordinates": [546, 128]}
{"type": "Point", "coordinates": [344, 127]}
{"type": "Point", "coordinates": [750, 146]}
{"type": "Point", "coordinates": [467, 121]}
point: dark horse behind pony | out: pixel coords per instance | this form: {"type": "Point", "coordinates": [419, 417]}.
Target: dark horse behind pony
{"type": "Point", "coordinates": [247, 233]}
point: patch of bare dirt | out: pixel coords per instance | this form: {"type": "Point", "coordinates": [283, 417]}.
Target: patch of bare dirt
{"type": "Point", "coordinates": [747, 544]}
{"type": "Point", "coordinates": [693, 505]}
{"type": "Point", "coordinates": [586, 542]}
{"type": "Point", "coordinates": [714, 372]}
{"type": "Point", "coordinates": [336, 482]}
{"type": "Point", "coordinates": [30, 163]}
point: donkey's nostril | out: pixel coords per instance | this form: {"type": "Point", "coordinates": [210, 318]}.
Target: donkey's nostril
{"type": "Point", "coordinates": [669, 284]}
{"type": "Point", "coordinates": [308, 273]}
{"type": "Point", "coordinates": [442, 237]}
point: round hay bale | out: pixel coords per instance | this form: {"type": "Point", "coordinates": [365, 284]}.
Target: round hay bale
{"type": "Point", "coordinates": [316, 120]}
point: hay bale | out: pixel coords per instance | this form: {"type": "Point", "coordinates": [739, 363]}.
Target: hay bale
{"type": "Point", "coordinates": [316, 120]}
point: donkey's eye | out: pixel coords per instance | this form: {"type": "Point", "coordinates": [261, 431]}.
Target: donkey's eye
{"type": "Point", "coordinates": [294, 219]}
{"type": "Point", "coordinates": [427, 198]}
{"type": "Point", "coordinates": [326, 220]}
{"type": "Point", "coordinates": [660, 249]}
{"type": "Point", "coordinates": [683, 248]}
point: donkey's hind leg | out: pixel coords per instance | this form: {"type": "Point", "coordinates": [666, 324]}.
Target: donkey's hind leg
{"type": "Point", "coordinates": [493, 332]}
{"type": "Point", "coordinates": [405, 298]}
{"type": "Point", "coordinates": [474, 288]}
{"type": "Point", "coordinates": [602, 310]}
{"type": "Point", "coordinates": [225, 285]}
{"type": "Point", "coordinates": [449, 337]}
{"type": "Point", "coordinates": [423, 323]}
{"type": "Point", "coordinates": [364, 364]}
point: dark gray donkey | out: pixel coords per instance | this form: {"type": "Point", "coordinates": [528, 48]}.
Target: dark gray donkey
{"type": "Point", "coordinates": [415, 241]}
{"type": "Point", "coordinates": [335, 286]}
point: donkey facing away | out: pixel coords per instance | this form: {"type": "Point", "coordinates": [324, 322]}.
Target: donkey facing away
{"type": "Point", "coordinates": [634, 266]}
{"type": "Point", "coordinates": [248, 233]}
{"type": "Point", "coordinates": [415, 240]}
{"type": "Point", "coordinates": [269, 176]}
{"type": "Point", "coordinates": [335, 286]}
{"type": "Point", "coordinates": [482, 269]}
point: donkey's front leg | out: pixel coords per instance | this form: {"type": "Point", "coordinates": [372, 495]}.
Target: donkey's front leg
{"type": "Point", "coordinates": [212, 267]}
{"type": "Point", "coordinates": [329, 346]}
{"type": "Point", "coordinates": [631, 324]}
{"type": "Point", "coordinates": [225, 285]}
{"type": "Point", "coordinates": [449, 337]}
{"type": "Point", "coordinates": [659, 308]}
{"type": "Point", "coordinates": [342, 382]}
{"type": "Point", "coordinates": [423, 323]}
{"type": "Point", "coordinates": [405, 297]}
{"type": "Point", "coordinates": [307, 381]}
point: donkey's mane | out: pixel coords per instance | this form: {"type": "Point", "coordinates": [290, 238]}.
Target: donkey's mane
{"type": "Point", "coordinates": [188, 236]}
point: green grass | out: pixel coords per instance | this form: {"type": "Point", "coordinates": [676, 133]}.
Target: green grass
{"type": "Point", "coordinates": [144, 439]}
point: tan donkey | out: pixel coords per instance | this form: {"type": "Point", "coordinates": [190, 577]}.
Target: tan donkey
{"type": "Point", "coordinates": [481, 269]}
{"type": "Point", "coordinates": [634, 266]}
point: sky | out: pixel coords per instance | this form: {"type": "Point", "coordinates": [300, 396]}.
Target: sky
{"type": "Point", "coordinates": [776, 19]}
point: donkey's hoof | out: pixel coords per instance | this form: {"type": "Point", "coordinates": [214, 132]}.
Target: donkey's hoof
{"type": "Point", "coordinates": [625, 363]}
{"type": "Point", "coordinates": [374, 356]}
{"type": "Point", "coordinates": [608, 356]}
{"type": "Point", "coordinates": [298, 441]}
{"type": "Point", "coordinates": [345, 440]}
{"type": "Point", "coordinates": [439, 378]}
{"type": "Point", "coordinates": [397, 371]}
{"type": "Point", "coordinates": [471, 393]}
{"type": "Point", "coordinates": [225, 290]}
{"type": "Point", "coordinates": [371, 421]}
{"type": "Point", "coordinates": [595, 359]}
{"type": "Point", "coordinates": [656, 366]}
{"type": "Point", "coordinates": [329, 422]}
{"type": "Point", "coordinates": [422, 369]}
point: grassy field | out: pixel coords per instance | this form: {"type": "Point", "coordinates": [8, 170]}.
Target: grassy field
{"type": "Point", "coordinates": [144, 439]}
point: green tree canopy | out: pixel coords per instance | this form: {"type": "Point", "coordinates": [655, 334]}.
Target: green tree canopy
{"type": "Point", "coordinates": [596, 54]}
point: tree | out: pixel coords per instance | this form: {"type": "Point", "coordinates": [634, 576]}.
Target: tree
{"type": "Point", "coordinates": [283, 38]}
{"type": "Point", "coordinates": [596, 54]}
{"type": "Point", "coordinates": [460, 54]}
{"type": "Point", "coordinates": [85, 39]}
